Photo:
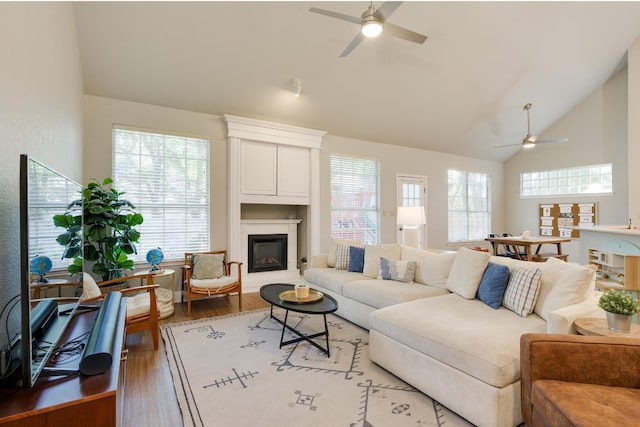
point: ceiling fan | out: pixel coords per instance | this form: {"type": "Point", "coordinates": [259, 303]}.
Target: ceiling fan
{"type": "Point", "coordinates": [373, 22]}
{"type": "Point", "coordinates": [529, 140]}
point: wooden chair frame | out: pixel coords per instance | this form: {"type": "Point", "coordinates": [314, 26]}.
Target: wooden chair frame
{"type": "Point", "coordinates": [141, 321]}
{"type": "Point", "coordinates": [196, 293]}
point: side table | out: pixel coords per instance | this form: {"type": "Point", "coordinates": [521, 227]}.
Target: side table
{"type": "Point", "coordinates": [38, 287]}
{"type": "Point", "coordinates": [598, 326]}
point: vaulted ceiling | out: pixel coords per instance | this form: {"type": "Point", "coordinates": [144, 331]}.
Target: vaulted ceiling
{"type": "Point", "coordinates": [460, 92]}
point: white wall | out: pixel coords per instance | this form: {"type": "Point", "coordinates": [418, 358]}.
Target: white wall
{"type": "Point", "coordinates": [597, 132]}
{"type": "Point", "coordinates": [634, 130]}
{"type": "Point", "coordinates": [102, 113]}
{"type": "Point", "coordinates": [394, 160]}
{"type": "Point", "coordinates": [40, 114]}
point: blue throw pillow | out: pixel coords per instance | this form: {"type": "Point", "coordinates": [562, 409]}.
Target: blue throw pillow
{"type": "Point", "coordinates": [356, 259]}
{"type": "Point", "coordinates": [493, 285]}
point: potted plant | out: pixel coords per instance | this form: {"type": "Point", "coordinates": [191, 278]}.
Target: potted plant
{"type": "Point", "coordinates": [108, 224]}
{"type": "Point", "coordinates": [620, 307]}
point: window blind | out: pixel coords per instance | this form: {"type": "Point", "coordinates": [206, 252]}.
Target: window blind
{"type": "Point", "coordinates": [167, 178]}
{"type": "Point", "coordinates": [354, 199]}
{"type": "Point", "coordinates": [469, 206]}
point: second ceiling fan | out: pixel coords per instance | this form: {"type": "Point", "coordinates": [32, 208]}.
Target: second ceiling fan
{"type": "Point", "coordinates": [529, 140]}
{"type": "Point", "coordinates": [373, 22]}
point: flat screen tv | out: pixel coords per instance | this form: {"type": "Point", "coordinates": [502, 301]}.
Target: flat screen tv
{"type": "Point", "coordinates": [43, 194]}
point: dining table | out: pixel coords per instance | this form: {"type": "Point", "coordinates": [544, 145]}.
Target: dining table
{"type": "Point", "coordinates": [527, 243]}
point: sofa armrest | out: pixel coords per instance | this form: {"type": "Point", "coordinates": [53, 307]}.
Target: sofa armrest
{"type": "Point", "coordinates": [608, 361]}
{"type": "Point", "coordinates": [319, 261]}
{"type": "Point", "coordinates": [561, 320]}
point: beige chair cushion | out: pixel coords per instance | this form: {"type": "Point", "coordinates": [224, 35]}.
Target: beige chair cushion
{"type": "Point", "coordinates": [90, 288]}
{"type": "Point", "coordinates": [138, 304]}
{"type": "Point", "coordinates": [213, 284]}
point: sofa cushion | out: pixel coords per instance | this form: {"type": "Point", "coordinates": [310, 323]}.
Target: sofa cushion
{"type": "Point", "coordinates": [372, 255]}
{"type": "Point", "coordinates": [523, 290]}
{"type": "Point", "coordinates": [356, 259]}
{"type": "Point", "coordinates": [493, 284]}
{"type": "Point", "coordinates": [330, 278]}
{"type": "Point", "coordinates": [563, 284]}
{"type": "Point", "coordinates": [383, 293]}
{"type": "Point", "coordinates": [333, 249]}
{"type": "Point", "coordinates": [402, 271]}
{"type": "Point", "coordinates": [434, 269]}
{"type": "Point", "coordinates": [466, 272]}
{"type": "Point", "coordinates": [460, 333]}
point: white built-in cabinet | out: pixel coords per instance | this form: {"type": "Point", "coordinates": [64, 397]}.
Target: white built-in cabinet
{"type": "Point", "coordinates": [273, 170]}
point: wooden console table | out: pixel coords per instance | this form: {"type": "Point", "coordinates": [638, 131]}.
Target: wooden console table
{"type": "Point", "coordinates": [75, 401]}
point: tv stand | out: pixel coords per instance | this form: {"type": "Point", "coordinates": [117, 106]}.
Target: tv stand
{"type": "Point", "coordinates": [69, 399]}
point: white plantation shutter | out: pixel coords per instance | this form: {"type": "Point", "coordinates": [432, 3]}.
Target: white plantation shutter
{"type": "Point", "coordinates": [354, 199]}
{"type": "Point", "coordinates": [469, 206]}
{"type": "Point", "coordinates": [166, 177]}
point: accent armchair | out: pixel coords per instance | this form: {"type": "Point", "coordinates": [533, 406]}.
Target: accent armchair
{"type": "Point", "coordinates": [574, 380]}
{"type": "Point", "coordinates": [142, 306]}
{"type": "Point", "coordinates": [207, 274]}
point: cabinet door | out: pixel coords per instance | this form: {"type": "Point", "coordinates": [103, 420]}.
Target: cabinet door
{"type": "Point", "coordinates": [293, 171]}
{"type": "Point", "coordinates": [259, 162]}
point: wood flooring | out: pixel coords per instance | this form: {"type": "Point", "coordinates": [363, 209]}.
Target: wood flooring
{"type": "Point", "coordinates": [149, 396]}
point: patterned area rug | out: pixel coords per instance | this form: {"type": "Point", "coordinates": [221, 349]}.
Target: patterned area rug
{"type": "Point", "coordinates": [229, 371]}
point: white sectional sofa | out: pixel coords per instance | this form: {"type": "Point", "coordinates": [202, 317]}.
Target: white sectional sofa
{"type": "Point", "coordinates": [433, 331]}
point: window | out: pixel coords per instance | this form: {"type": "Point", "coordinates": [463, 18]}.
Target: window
{"type": "Point", "coordinates": [469, 206]}
{"type": "Point", "coordinates": [593, 179]}
{"type": "Point", "coordinates": [166, 177]}
{"type": "Point", "coordinates": [354, 199]}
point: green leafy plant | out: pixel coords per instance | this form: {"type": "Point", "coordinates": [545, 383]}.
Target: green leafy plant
{"type": "Point", "coordinates": [71, 239]}
{"type": "Point", "coordinates": [619, 302]}
{"type": "Point", "coordinates": [108, 224]}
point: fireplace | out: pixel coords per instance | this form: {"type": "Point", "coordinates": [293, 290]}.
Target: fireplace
{"type": "Point", "coordinates": [267, 252]}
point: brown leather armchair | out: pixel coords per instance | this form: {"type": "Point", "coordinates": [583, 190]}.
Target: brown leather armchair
{"type": "Point", "coordinates": [574, 380]}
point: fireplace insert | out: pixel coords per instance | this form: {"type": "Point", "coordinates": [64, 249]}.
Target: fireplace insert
{"type": "Point", "coordinates": [267, 252]}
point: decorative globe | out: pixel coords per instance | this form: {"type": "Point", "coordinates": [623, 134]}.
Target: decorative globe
{"type": "Point", "coordinates": [40, 265]}
{"type": "Point", "coordinates": [155, 257]}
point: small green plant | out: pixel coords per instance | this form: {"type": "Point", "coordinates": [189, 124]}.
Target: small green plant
{"type": "Point", "coordinates": [619, 302]}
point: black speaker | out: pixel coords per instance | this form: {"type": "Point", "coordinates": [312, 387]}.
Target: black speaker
{"type": "Point", "coordinates": [97, 356]}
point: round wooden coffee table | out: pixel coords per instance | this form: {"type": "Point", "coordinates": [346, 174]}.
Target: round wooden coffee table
{"type": "Point", "coordinates": [598, 326]}
{"type": "Point", "coordinates": [271, 294]}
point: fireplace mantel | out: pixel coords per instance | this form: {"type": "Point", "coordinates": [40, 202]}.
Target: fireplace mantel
{"type": "Point", "coordinates": [242, 131]}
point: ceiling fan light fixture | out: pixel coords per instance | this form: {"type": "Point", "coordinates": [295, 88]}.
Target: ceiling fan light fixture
{"type": "Point", "coordinates": [371, 26]}
{"type": "Point", "coordinates": [528, 142]}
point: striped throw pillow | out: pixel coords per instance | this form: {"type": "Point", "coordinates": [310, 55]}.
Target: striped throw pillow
{"type": "Point", "coordinates": [523, 290]}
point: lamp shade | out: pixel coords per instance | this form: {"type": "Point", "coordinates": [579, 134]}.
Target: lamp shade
{"type": "Point", "coordinates": [412, 215]}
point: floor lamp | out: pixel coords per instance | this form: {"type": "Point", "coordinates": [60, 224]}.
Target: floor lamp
{"type": "Point", "coordinates": [410, 218]}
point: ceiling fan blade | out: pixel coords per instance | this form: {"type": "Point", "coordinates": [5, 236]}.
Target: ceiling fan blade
{"type": "Point", "coordinates": [403, 33]}
{"type": "Point", "coordinates": [546, 141]}
{"type": "Point", "coordinates": [336, 15]}
{"type": "Point", "coordinates": [508, 145]}
{"type": "Point", "coordinates": [355, 42]}
{"type": "Point", "coordinates": [387, 8]}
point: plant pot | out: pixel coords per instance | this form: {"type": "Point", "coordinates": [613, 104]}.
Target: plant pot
{"type": "Point", "coordinates": [619, 322]}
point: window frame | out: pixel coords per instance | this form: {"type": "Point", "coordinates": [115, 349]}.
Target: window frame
{"type": "Point", "coordinates": [193, 213]}
{"type": "Point", "coordinates": [466, 211]}
{"type": "Point", "coordinates": [368, 215]}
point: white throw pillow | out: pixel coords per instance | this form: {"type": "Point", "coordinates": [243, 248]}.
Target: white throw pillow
{"type": "Point", "coordinates": [563, 284]}
{"type": "Point", "coordinates": [333, 249]}
{"type": "Point", "coordinates": [466, 272]}
{"type": "Point", "coordinates": [434, 269]}
{"type": "Point", "coordinates": [522, 290]}
{"type": "Point", "coordinates": [372, 255]}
